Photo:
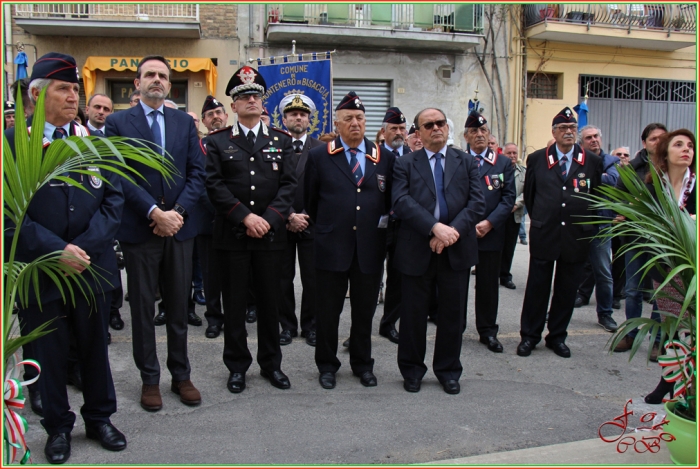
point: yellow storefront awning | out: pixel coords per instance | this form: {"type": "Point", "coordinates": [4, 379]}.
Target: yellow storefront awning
{"type": "Point", "coordinates": [131, 63]}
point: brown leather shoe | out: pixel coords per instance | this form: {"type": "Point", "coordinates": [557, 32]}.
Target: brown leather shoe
{"type": "Point", "coordinates": [150, 397]}
{"type": "Point", "coordinates": [625, 344]}
{"type": "Point", "coordinates": [187, 392]}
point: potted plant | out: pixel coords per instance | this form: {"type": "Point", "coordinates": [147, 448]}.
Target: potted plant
{"type": "Point", "coordinates": [668, 234]}
{"type": "Point", "coordinates": [24, 172]}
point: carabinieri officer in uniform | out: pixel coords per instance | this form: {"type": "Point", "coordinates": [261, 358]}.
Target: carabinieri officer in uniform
{"type": "Point", "coordinates": [251, 183]}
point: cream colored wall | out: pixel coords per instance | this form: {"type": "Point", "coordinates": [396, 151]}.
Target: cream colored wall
{"type": "Point", "coordinates": [573, 60]}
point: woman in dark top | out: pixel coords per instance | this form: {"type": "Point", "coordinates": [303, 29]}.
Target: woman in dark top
{"type": "Point", "coordinates": [675, 162]}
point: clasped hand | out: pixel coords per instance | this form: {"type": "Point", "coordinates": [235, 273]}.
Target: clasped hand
{"type": "Point", "coordinates": [443, 236]}
{"type": "Point", "coordinates": [166, 223]}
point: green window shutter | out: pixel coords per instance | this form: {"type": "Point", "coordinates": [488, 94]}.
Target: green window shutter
{"type": "Point", "coordinates": [293, 11]}
{"type": "Point", "coordinates": [464, 17]}
{"type": "Point", "coordinates": [381, 13]}
{"type": "Point", "coordinates": [338, 13]}
{"type": "Point", "coordinates": [423, 15]}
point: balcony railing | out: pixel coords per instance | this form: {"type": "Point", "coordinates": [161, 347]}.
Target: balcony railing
{"type": "Point", "coordinates": [110, 12]}
{"type": "Point", "coordinates": [668, 17]}
{"type": "Point", "coordinates": [440, 17]}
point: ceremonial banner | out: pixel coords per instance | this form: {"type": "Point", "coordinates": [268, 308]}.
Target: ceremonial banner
{"type": "Point", "coordinates": [312, 78]}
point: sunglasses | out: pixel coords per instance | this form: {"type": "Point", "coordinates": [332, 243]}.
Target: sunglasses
{"type": "Point", "coordinates": [622, 154]}
{"type": "Point", "coordinates": [430, 125]}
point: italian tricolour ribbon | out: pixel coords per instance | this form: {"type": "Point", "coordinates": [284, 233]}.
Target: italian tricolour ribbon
{"type": "Point", "coordinates": [15, 424]}
{"type": "Point", "coordinates": [678, 363]}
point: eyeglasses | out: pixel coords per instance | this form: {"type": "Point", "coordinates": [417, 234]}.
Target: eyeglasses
{"type": "Point", "coordinates": [565, 128]}
{"type": "Point", "coordinates": [430, 125]}
{"type": "Point", "coordinates": [626, 155]}
{"type": "Point", "coordinates": [246, 97]}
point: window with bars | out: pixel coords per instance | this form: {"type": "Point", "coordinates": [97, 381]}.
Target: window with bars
{"type": "Point", "coordinates": [637, 89]}
{"type": "Point", "coordinates": [543, 85]}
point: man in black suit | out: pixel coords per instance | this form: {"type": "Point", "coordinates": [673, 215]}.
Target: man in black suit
{"type": "Point", "coordinates": [81, 222]}
{"type": "Point", "coordinates": [251, 181]}
{"type": "Point", "coordinates": [438, 199]}
{"type": "Point", "coordinates": [155, 233]}
{"type": "Point", "coordinates": [556, 176]}
{"type": "Point", "coordinates": [395, 133]}
{"type": "Point", "coordinates": [498, 186]}
{"type": "Point", "coordinates": [347, 193]}
{"type": "Point", "coordinates": [296, 110]}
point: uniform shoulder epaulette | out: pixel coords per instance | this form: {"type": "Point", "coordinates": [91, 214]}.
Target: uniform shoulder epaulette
{"type": "Point", "coordinates": [332, 150]}
{"type": "Point", "coordinates": [219, 130]}
{"type": "Point", "coordinates": [282, 131]}
{"type": "Point", "coordinates": [374, 155]}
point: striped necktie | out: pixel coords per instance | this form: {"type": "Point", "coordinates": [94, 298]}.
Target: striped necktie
{"type": "Point", "coordinates": [59, 133]}
{"type": "Point", "coordinates": [562, 164]}
{"type": "Point", "coordinates": [355, 166]}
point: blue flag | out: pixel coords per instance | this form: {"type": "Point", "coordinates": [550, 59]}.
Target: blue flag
{"type": "Point", "coordinates": [312, 79]}
{"type": "Point", "coordinates": [582, 111]}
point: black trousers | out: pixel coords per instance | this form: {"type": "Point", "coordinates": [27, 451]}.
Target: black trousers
{"type": "Point", "coordinates": [307, 271]}
{"type": "Point", "coordinates": [234, 271]}
{"type": "Point", "coordinates": [539, 286]}
{"type": "Point", "coordinates": [417, 291]}
{"type": "Point", "coordinates": [209, 261]}
{"type": "Point", "coordinates": [618, 268]}
{"type": "Point", "coordinates": [392, 296]}
{"type": "Point", "coordinates": [512, 230]}
{"type": "Point", "coordinates": [170, 261]}
{"type": "Point", "coordinates": [486, 299]}
{"type": "Point", "coordinates": [330, 297]}
{"type": "Point", "coordinates": [88, 323]}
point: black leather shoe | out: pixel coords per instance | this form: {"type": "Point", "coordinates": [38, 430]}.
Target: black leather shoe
{"type": "Point", "coordinates": [251, 315]}
{"type": "Point", "coordinates": [327, 379]}
{"type": "Point", "coordinates": [199, 298]}
{"type": "Point", "coordinates": [109, 337]}
{"type": "Point", "coordinates": [580, 301]}
{"type": "Point", "coordinates": [193, 319]}
{"type": "Point", "coordinates": [277, 378]}
{"type": "Point", "coordinates": [213, 331]}
{"type": "Point", "coordinates": [236, 382]}
{"type": "Point", "coordinates": [74, 378]}
{"type": "Point", "coordinates": [411, 384]}
{"type": "Point", "coordinates": [346, 344]}
{"type": "Point", "coordinates": [392, 334]}
{"type": "Point", "coordinates": [509, 285]}
{"type": "Point", "coordinates": [607, 322]}
{"type": "Point", "coordinates": [451, 386]}
{"type": "Point", "coordinates": [115, 321]}
{"type": "Point", "coordinates": [367, 378]}
{"type": "Point", "coordinates": [109, 437]}
{"type": "Point", "coordinates": [35, 402]}
{"type": "Point", "coordinates": [525, 348]}
{"type": "Point", "coordinates": [310, 337]}
{"type": "Point", "coordinates": [492, 343]}
{"type": "Point", "coordinates": [616, 303]}
{"type": "Point", "coordinates": [159, 320]}
{"type": "Point", "coordinates": [560, 349]}
{"type": "Point", "coordinates": [57, 449]}
{"type": "Point", "coordinates": [286, 336]}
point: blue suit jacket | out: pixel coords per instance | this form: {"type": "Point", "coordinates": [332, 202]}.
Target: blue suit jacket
{"type": "Point", "coordinates": [182, 143]}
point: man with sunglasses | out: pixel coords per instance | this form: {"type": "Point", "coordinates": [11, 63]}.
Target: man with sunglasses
{"type": "Point", "coordinates": [623, 153]}
{"type": "Point", "coordinates": [438, 198]}
{"type": "Point", "coordinates": [497, 182]}
{"type": "Point", "coordinates": [251, 181]}
{"type": "Point", "coordinates": [556, 176]}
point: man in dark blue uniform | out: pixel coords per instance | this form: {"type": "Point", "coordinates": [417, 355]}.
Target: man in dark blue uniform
{"type": "Point", "coordinates": [82, 224]}
{"type": "Point", "coordinates": [439, 201]}
{"type": "Point", "coordinates": [296, 109]}
{"type": "Point", "coordinates": [251, 183]}
{"type": "Point", "coordinates": [347, 192]}
{"type": "Point", "coordinates": [556, 176]}
{"type": "Point", "coordinates": [498, 187]}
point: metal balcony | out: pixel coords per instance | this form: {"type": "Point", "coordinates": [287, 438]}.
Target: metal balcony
{"type": "Point", "coordinates": [111, 20]}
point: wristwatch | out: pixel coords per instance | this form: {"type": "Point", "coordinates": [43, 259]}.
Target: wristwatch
{"type": "Point", "coordinates": [181, 210]}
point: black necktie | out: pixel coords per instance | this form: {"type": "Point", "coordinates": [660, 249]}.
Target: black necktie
{"type": "Point", "coordinates": [155, 129]}
{"type": "Point", "coordinates": [98, 133]}
{"type": "Point", "coordinates": [59, 133]}
{"type": "Point", "coordinates": [395, 152]}
{"type": "Point", "coordinates": [251, 138]}
{"type": "Point", "coordinates": [440, 188]}
{"type": "Point", "coordinates": [298, 146]}
{"type": "Point", "coordinates": [562, 165]}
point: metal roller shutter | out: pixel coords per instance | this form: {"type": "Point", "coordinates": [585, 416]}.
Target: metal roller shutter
{"type": "Point", "coordinates": [375, 96]}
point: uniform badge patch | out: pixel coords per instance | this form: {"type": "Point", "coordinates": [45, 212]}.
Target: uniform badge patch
{"type": "Point", "coordinates": [496, 183]}
{"type": "Point", "coordinates": [581, 175]}
{"type": "Point", "coordinates": [275, 167]}
{"type": "Point", "coordinates": [582, 183]}
{"type": "Point", "coordinates": [95, 181]}
{"type": "Point", "coordinates": [381, 182]}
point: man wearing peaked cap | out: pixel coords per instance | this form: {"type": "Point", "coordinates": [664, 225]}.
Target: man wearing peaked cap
{"type": "Point", "coordinates": [394, 132]}
{"type": "Point", "coordinates": [296, 110]}
{"type": "Point", "coordinates": [413, 139]}
{"type": "Point", "coordinates": [556, 177]}
{"type": "Point", "coordinates": [251, 182]}
{"type": "Point", "coordinates": [81, 223]}
{"type": "Point", "coordinates": [9, 112]}
{"type": "Point", "coordinates": [497, 181]}
{"type": "Point", "coordinates": [347, 194]}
